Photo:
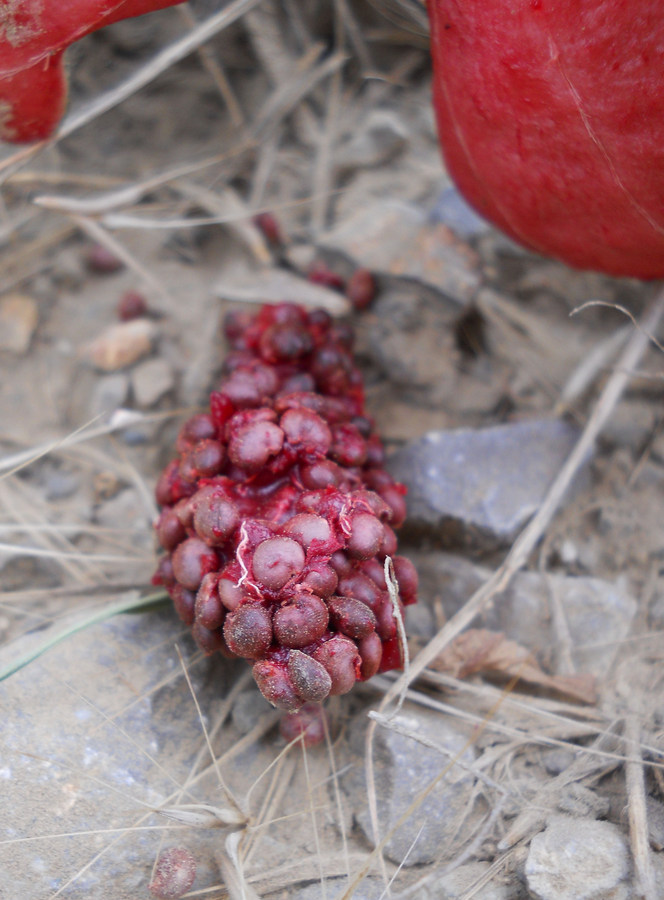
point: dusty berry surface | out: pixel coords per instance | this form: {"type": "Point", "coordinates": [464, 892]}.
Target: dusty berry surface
{"type": "Point", "coordinates": [296, 144]}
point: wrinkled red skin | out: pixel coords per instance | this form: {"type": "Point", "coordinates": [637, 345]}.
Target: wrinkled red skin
{"type": "Point", "coordinates": [33, 37]}
{"type": "Point", "coordinates": [286, 575]}
{"type": "Point", "coordinates": [551, 119]}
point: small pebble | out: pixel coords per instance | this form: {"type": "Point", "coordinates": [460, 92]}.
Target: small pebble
{"type": "Point", "coordinates": [18, 321]}
{"type": "Point", "coordinates": [577, 859]}
{"type": "Point", "coordinates": [151, 380]}
{"type": "Point", "coordinates": [121, 345]}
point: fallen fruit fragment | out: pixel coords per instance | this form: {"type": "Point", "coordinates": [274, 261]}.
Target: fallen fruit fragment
{"type": "Point", "coordinates": [551, 119]}
{"type": "Point", "coordinates": [33, 37]}
{"type": "Point", "coordinates": [278, 514]}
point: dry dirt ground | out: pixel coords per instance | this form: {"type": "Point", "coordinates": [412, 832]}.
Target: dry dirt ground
{"type": "Point", "coordinates": [122, 740]}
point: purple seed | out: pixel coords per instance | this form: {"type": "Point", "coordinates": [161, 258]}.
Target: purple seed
{"type": "Point", "coordinates": [210, 611]}
{"type": "Point", "coordinates": [250, 447]}
{"type": "Point", "coordinates": [306, 430]}
{"type": "Point", "coordinates": [406, 574]}
{"type": "Point", "coordinates": [361, 587]}
{"type": "Point", "coordinates": [366, 535]}
{"type": "Point", "coordinates": [340, 658]}
{"type": "Point", "coordinates": [388, 545]}
{"type": "Point", "coordinates": [321, 579]}
{"type": "Point", "coordinates": [307, 723]}
{"type": "Point", "coordinates": [352, 617]}
{"type": "Point", "coordinates": [215, 516]}
{"type": "Point", "coordinates": [276, 561]}
{"type": "Point", "coordinates": [306, 528]}
{"type": "Point", "coordinates": [275, 685]}
{"type": "Point", "coordinates": [371, 653]}
{"type": "Point", "coordinates": [311, 679]}
{"type": "Point", "coordinates": [301, 622]}
{"type": "Point", "coordinates": [192, 559]}
{"type": "Point", "coordinates": [248, 630]}
{"type": "Point", "coordinates": [174, 874]}
{"type": "Point", "coordinates": [348, 446]}
{"type": "Point", "coordinates": [169, 529]}
{"type": "Point", "coordinates": [207, 458]}
{"type": "Point", "coordinates": [229, 593]}
{"type": "Point", "coordinates": [209, 641]}
{"type": "Point", "coordinates": [183, 601]}
{"type": "Point", "coordinates": [321, 474]}
{"type": "Point", "coordinates": [197, 428]}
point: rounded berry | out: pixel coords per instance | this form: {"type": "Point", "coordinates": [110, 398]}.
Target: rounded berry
{"type": "Point", "coordinates": [192, 559]}
{"type": "Point", "coordinates": [306, 430]}
{"type": "Point", "coordinates": [209, 609]}
{"type": "Point", "coordinates": [366, 535]}
{"type": "Point", "coordinates": [321, 579]}
{"type": "Point", "coordinates": [308, 724]}
{"type": "Point", "coordinates": [251, 446]}
{"type": "Point", "coordinates": [406, 575]}
{"type": "Point", "coordinates": [371, 653]}
{"type": "Point", "coordinates": [276, 685]}
{"type": "Point", "coordinates": [361, 288]}
{"type": "Point", "coordinates": [215, 516]}
{"type": "Point", "coordinates": [276, 561]}
{"type": "Point", "coordinates": [169, 529]}
{"type": "Point", "coordinates": [340, 658]}
{"type": "Point", "coordinates": [301, 622]}
{"type": "Point", "coordinates": [351, 616]}
{"type": "Point", "coordinates": [311, 679]}
{"type": "Point", "coordinates": [248, 630]}
{"type": "Point", "coordinates": [173, 875]}
{"type": "Point", "coordinates": [184, 602]}
{"type": "Point", "coordinates": [307, 528]}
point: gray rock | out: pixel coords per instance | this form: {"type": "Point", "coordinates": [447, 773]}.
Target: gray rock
{"type": "Point", "coordinates": [482, 485]}
{"type": "Point", "coordinates": [598, 614]}
{"type": "Point", "coordinates": [404, 768]}
{"type": "Point", "coordinates": [151, 380]}
{"type": "Point", "coordinates": [109, 393]}
{"type": "Point", "coordinates": [452, 210]}
{"type": "Point", "coordinates": [578, 859]}
{"type": "Point", "coordinates": [98, 732]}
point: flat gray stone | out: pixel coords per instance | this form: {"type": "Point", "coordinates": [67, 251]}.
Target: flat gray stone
{"type": "Point", "coordinates": [457, 884]}
{"type": "Point", "coordinates": [598, 614]}
{"type": "Point", "coordinates": [481, 485]}
{"type": "Point", "coordinates": [151, 380]}
{"type": "Point", "coordinates": [578, 859]}
{"type": "Point", "coordinates": [403, 768]}
{"type": "Point", "coordinates": [96, 733]}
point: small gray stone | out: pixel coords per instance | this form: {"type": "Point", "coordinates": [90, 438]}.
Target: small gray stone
{"type": "Point", "coordinates": [109, 394]}
{"type": "Point", "coordinates": [578, 859]}
{"type": "Point", "coordinates": [452, 210]}
{"type": "Point", "coordinates": [151, 380]}
{"type": "Point", "coordinates": [482, 485]}
{"type": "Point", "coordinates": [404, 768]}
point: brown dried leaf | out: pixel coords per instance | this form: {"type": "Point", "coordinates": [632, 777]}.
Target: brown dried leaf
{"type": "Point", "coordinates": [480, 651]}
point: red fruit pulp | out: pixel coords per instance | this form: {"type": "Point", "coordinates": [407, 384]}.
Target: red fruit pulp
{"type": "Point", "coordinates": [551, 118]}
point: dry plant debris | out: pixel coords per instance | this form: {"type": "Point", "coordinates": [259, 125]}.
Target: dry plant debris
{"type": "Point", "coordinates": [114, 747]}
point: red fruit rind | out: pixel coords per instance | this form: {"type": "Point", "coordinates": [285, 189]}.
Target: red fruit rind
{"type": "Point", "coordinates": [276, 514]}
{"type": "Point", "coordinates": [551, 119]}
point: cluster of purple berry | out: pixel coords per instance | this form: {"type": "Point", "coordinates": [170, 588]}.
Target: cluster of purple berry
{"type": "Point", "coordinates": [278, 513]}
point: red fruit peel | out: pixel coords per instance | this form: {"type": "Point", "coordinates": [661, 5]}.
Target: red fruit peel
{"type": "Point", "coordinates": [277, 512]}
{"type": "Point", "coordinates": [551, 119]}
{"type": "Point", "coordinates": [33, 37]}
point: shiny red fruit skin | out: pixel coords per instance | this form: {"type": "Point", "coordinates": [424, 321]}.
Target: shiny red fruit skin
{"type": "Point", "coordinates": [551, 119]}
